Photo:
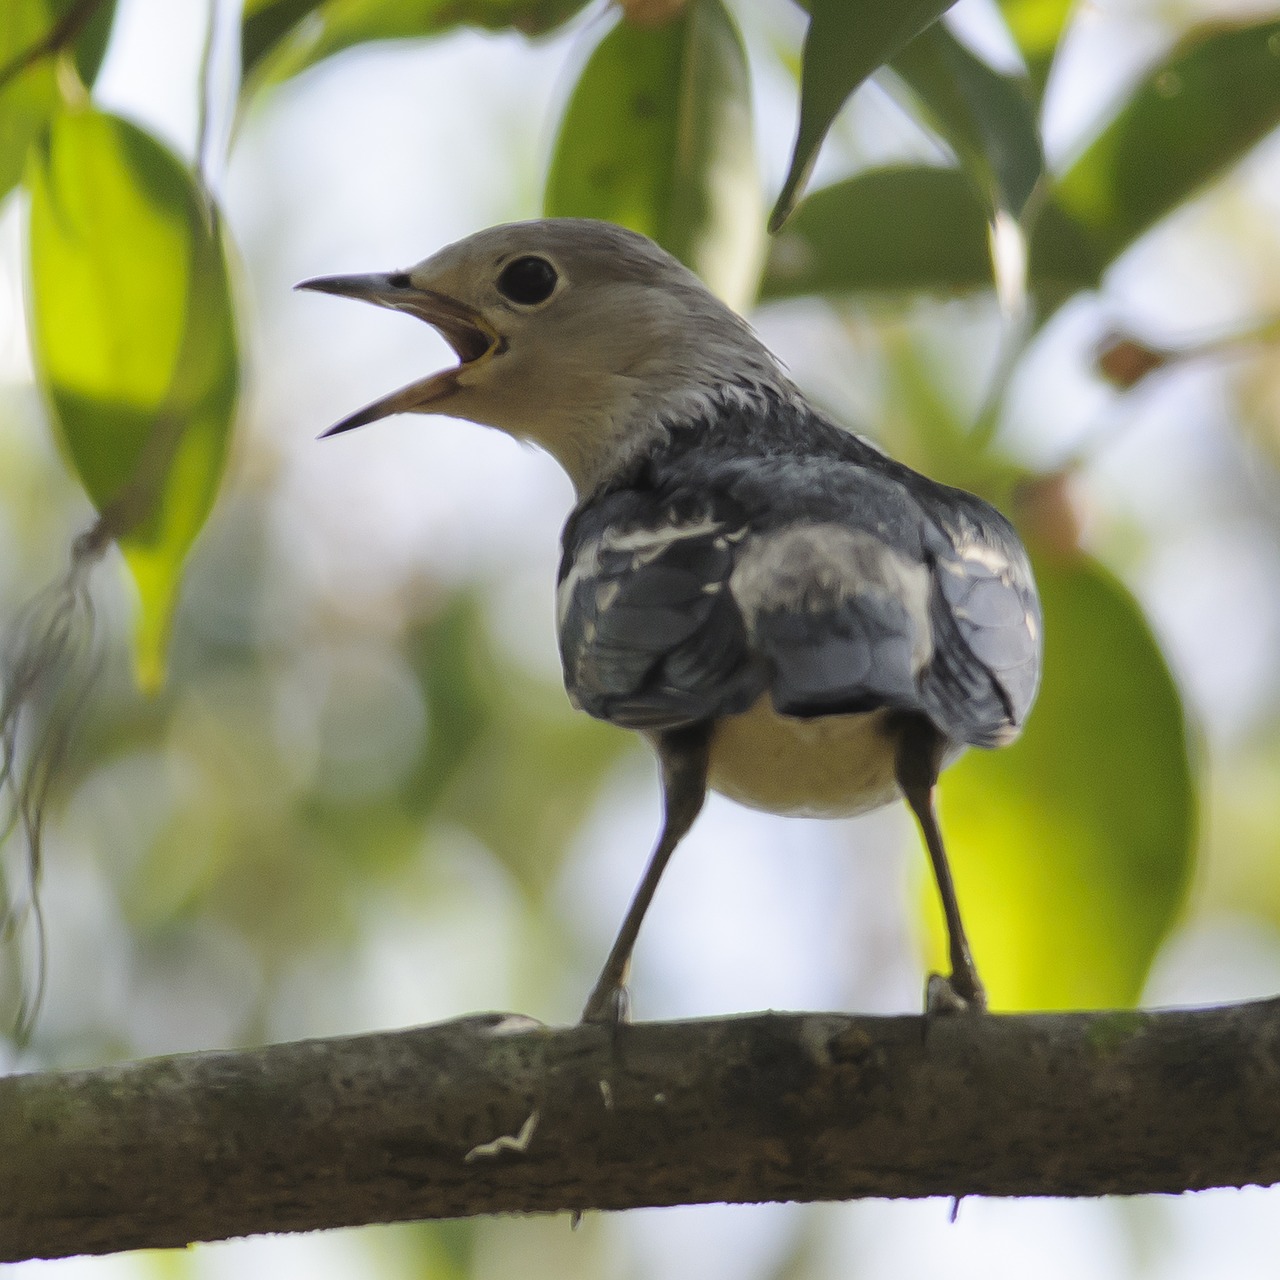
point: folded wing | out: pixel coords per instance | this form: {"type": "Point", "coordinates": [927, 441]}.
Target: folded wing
{"type": "Point", "coordinates": [837, 585]}
{"type": "Point", "coordinates": [650, 635]}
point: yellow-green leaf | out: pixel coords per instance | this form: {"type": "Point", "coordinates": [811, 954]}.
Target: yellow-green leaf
{"type": "Point", "coordinates": [134, 339]}
{"type": "Point", "coordinates": [1073, 848]}
{"type": "Point", "coordinates": [264, 24]}
{"type": "Point", "coordinates": [29, 95]}
{"type": "Point", "coordinates": [1036, 27]}
{"type": "Point", "coordinates": [657, 137]}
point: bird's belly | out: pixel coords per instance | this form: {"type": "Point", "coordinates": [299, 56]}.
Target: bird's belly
{"type": "Point", "coordinates": [827, 767]}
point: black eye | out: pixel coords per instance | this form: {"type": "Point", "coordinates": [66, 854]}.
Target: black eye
{"type": "Point", "coordinates": [527, 281]}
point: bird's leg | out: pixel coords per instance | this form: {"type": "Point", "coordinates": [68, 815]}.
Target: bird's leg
{"type": "Point", "coordinates": [919, 760]}
{"type": "Point", "coordinates": [682, 756]}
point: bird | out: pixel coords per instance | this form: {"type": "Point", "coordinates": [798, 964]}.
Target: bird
{"type": "Point", "coordinates": [787, 614]}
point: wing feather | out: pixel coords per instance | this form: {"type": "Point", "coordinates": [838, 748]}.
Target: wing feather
{"type": "Point", "coordinates": [649, 636]}
{"type": "Point", "coordinates": [987, 631]}
{"type": "Point", "coordinates": [819, 571]}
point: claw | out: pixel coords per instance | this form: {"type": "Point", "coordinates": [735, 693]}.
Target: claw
{"type": "Point", "coordinates": [943, 997]}
{"type": "Point", "coordinates": [608, 1006]}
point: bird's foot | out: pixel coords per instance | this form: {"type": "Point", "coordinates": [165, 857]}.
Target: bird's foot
{"type": "Point", "coordinates": [609, 1006]}
{"type": "Point", "coordinates": [960, 993]}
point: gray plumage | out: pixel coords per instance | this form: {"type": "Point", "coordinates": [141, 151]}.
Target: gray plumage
{"type": "Point", "coordinates": [658, 630]}
{"type": "Point", "coordinates": [787, 614]}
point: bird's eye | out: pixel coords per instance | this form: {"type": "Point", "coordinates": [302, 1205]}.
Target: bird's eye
{"type": "Point", "coordinates": [528, 281]}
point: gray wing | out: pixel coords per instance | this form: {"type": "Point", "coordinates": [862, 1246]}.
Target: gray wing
{"type": "Point", "coordinates": [650, 636]}
{"type": "Point", "coordinates": [840, 617]}
{"type": "Point", "coordinates": [909, 596]}
{"type": "Point", "coordinates": [876, 592]}
{"type": "Point", "coordinates": [987, 627]}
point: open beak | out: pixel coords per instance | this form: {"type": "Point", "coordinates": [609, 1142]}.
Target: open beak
{"type": "Point", "coordinates": [462, 327]}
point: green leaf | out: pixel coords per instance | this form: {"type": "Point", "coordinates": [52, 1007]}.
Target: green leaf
{"type": "Point", "coordinates": [913, 229]}
{"type": "Point", "coordinates": [1073, 848]}
{"type": "Point", "coordinates": [846, 41]}
{"type": "Point", "coordinates": [489, 723]}
{"type": "Point", "coordinates": [1215, 96]}
{"type": "Point", "coordinates": [31, 96]}
{"type": "Point", "coordinates": [657, 137]}
{"type": "Point", "coordinates": [280, 38]}
{"type": "Point", "coordinates": [264, 24]}
{"type": "Point", "coordinates": [454, 663]}
{"type": "Point", "coordinates": [1036, 27]}
{"type": "Point", "coordinates": [91, 44]}
{"type": "Point", "coordinates": [134, 340]}
{"type": "Point", "coordinates": [529, 816]}
{"type": "Point", "coordinates": [987, 117]}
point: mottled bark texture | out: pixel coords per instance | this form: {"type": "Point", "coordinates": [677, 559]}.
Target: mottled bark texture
{"type": "Point", "coordinates": [498, 1114]}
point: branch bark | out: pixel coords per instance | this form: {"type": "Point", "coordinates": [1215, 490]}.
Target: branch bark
{"type": "Point", "coordinates": [497, 1114]}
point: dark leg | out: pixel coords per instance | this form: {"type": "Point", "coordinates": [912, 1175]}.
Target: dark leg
{"type": "Point", "coordinates": [682, 755]}
{"type": "Point", "coordinates": [920, 749]}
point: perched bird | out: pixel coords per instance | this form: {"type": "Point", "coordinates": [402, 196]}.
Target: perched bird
{"type": "Point", "coordinates": [788, 616]}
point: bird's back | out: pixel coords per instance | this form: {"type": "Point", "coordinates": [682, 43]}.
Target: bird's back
{"type": "Point", "coordinates": [765, 561]}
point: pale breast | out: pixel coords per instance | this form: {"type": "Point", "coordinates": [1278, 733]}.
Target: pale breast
{"type": "Point", "coordinates": [825, 767]}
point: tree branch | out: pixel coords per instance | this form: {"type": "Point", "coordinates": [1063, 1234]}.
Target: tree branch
{"type": "Point", "coordinates": [496, 1114]}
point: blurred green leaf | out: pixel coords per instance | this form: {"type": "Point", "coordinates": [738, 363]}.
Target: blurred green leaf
{"type": "Point", "coordinates": [986, 116]}
{"type": "Point", "coordinates": [527, 791]}
{"type": "Point", "coordinates": [134, 340]}
{"type": "Point", "coordinates": [657, 137]}
{"type": "Point", "coordinates": [37, 32]}
{"type": "Point", "coordinates": [280, 38]}
{"type": "Point", "coordinates": [846, 41]}
{"type": "Point", "coordinates": [1073, 849]}
{"type": "Point", "coordinates": [1215, 96]}
{"type": "Point", "coordinates": [507, 757]}
{"type": "Point", "coordinates": [91, 44]}
{"type": "Point", "coordinates": [1037, 27]}
{"type": "Point", "coordinates": [263, 24]}
{"type": "Point", "coordinates": [448, 653]}
{"type": "Point", "coordinates": [912, 229]}
{"type": "Point", "coordinates": [925, 423]}
{"type": "Point", "coordinates": [1242, 873]}
{"type": "Point", "coordinates": [29, 98]}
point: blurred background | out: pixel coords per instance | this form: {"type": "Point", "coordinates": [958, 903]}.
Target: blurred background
{"type": "Point", "coordinates": [362, 801]}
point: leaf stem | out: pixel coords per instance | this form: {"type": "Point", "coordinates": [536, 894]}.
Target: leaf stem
{"type": "Point", "coordinates": [204, 89]}
{"type": "Point", "coordinates": [1017, 334]}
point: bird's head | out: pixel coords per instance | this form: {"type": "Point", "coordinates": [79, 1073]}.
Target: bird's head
{"type": "Point", "coordinates": [582, 337]}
